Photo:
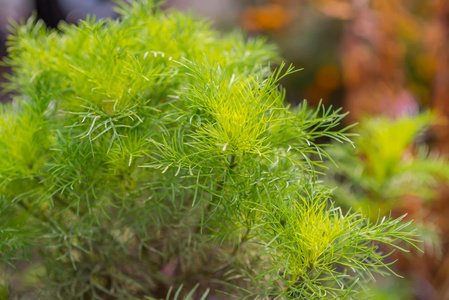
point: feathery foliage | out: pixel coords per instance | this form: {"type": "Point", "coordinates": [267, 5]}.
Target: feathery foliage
{"type": "Point", "coordinates": [391, 169]}
{"type": "Point", "coordinates": [151, 157]}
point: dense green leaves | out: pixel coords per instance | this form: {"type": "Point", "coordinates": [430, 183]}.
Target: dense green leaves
{"type": "Point", "coordinates": [154, 156]}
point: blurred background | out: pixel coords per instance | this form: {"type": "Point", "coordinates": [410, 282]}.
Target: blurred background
{"type": "Point", "coordinates": [373, 58]}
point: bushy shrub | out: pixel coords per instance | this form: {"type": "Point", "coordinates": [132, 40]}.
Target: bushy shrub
{"type": "Point", "coordinates": [151, 157]}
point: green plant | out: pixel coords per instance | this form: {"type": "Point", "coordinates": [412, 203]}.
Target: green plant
{"type": "Point", "coordinates": [389, 164]}
{"type": "Point", "coordinates": [391, 169]}
{"type": "Point", "coordinates": [150, 155]}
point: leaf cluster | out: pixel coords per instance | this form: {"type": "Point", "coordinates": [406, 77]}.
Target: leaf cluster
{"type": "Point", "coordinates": [390, 162]}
